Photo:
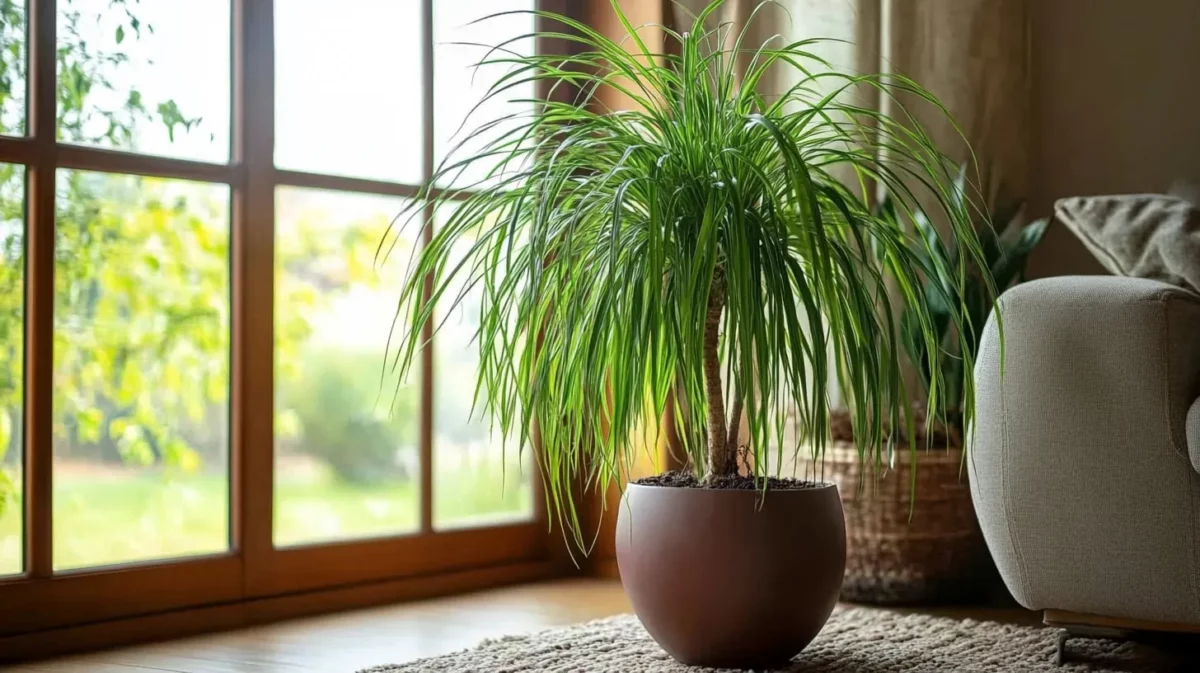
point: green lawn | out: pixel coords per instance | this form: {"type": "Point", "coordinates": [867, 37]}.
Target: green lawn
{"type": "Point", "coordinates": [142, 516]}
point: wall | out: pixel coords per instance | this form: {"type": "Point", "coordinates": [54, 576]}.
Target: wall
{"type": "Point", "coordinates": [1116, 107]}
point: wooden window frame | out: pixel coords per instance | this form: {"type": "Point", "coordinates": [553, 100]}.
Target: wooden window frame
{"type": "Point", "coordinates": [253, 569]}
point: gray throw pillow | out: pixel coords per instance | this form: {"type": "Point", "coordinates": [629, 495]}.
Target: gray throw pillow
{"type": "Point", "coordinates": [1144, 235]}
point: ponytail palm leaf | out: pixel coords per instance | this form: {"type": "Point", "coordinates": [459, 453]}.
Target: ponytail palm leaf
{"type": "Point", "coordinates": [717, 244]}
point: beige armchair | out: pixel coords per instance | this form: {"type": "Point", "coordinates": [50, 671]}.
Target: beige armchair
{"type": "Point", "coordinates": [1085, 457]}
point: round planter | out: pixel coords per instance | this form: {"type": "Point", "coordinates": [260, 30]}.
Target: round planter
{"type": "Point", "coordinates": [902, 550]}
{"type": "Point", "coordinates": [728, 578]}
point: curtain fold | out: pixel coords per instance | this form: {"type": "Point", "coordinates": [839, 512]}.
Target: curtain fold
{"type": "Point", "coordinates": [972, 54]}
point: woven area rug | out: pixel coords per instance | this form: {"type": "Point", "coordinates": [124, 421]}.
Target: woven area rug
{"type": "Point", "coordinates": [856, 640]}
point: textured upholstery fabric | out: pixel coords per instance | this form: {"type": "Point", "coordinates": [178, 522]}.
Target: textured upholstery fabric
{"type": "Point", "coordinates": [1193, 433]}
{"type": "Point", "coordinates": [1144, 236]}
{"type": "Point", "coordinates": [1080, 468]}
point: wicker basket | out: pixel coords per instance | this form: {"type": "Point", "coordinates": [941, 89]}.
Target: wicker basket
{"type": "Point", "coordinates": [938, 555]}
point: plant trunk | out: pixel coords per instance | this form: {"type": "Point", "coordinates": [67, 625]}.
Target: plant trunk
{"type": "Point", "coordinates": [722, 461]}
{"type": "Point", "coordinates": [735, 419]}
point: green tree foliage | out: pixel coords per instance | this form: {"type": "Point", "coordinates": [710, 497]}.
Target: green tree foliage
{"type": "Point", "coordinates": [142, 289]}
{"type": "Point", "coordinates": [85, 71]}
{"type": "Point", "coordinates": [342, 424]}
{"type": "Point", "coordinates": [12, 67]}
{"type": "Point", "coordinates": [12, 259]}
{"type": "Point", "coordinates": [11, 288]}
{"type": "Point", "coordinates": [141, 316]}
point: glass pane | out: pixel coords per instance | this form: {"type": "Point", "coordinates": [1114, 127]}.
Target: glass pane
{"type": "Point", "coordinates": [12, 70]}
{"type": "Point", "coordinates": [478, 478]}
{"type": "Point", "coordinates": [459, 85]}
{"type": "Point", "coordinates": [348, 88]}
{"type": "Point", "coordinates": [346, 460]}
{"type": "Point", "coordinates": [149, 76]}
{"type": "Point", "coordinates": [12, 354]}
{"type": "Point", "coordinates": [141, 369]}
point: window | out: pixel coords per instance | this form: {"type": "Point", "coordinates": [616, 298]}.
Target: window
{"type": "Point", "coordinates": [462, 38]}
{"type": "Point", "coordinates": [478, 476]}
{"type": "Point", "coordinates": [346, 457]}
{"type": "Point", "coordinates": [130, 79]}
{"type": "Point", "coordinates": [141, 369]}
{"type": "Point", "coordinates": [339, 109]}
{"type": "Point", "coordinates": [194, 402]}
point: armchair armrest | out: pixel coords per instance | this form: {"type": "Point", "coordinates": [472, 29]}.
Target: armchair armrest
{"type": "Point", "coordinates": [1079, 458]}
{"type": "Point", "coordinates": [1193, 431]}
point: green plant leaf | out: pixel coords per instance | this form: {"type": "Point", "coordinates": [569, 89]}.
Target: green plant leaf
{"type": "Point", "coordinates": [1011, 265]}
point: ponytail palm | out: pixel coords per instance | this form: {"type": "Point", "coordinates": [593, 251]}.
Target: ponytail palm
{"type": "Point", "coordinates": [717, 245]}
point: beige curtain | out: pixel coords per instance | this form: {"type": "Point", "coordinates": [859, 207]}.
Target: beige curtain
{"type": "Point", "coordinates": [971, 54]}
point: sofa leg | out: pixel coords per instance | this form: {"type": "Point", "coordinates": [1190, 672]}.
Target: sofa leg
{"type": "Point", "coordinates": [1066, 632]}
{"type": "Point", "coordinates": [1168, 643]}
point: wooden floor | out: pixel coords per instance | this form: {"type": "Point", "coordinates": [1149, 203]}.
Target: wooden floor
{"type": "Point", "coordinates": [347, 642]}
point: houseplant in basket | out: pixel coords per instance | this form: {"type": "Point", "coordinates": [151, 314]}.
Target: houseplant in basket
{"type": "Point", "coordinates": [912, 536]}
{"type": "Point", "coordinates": [698, 249]}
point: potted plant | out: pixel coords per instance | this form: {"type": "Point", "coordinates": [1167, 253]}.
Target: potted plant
{"type": "Point", "coordinates": [912, 536]}
{"type": "Point", "coordinates": [702, 249]}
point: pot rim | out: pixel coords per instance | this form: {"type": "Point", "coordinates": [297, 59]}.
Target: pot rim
{"type": "Point", "coordinates": [817, 487]}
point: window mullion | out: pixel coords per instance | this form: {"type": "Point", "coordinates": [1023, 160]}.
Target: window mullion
{"type": "Point", "coordinates": [253, 343]}
{"type": "Point", "coordinates": [39, 289]}
{"type": "Point", "coordinates": [427, 390]}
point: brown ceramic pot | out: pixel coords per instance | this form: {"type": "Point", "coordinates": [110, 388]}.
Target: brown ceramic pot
{"type": "Point", "coordinates": [727, 578]}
